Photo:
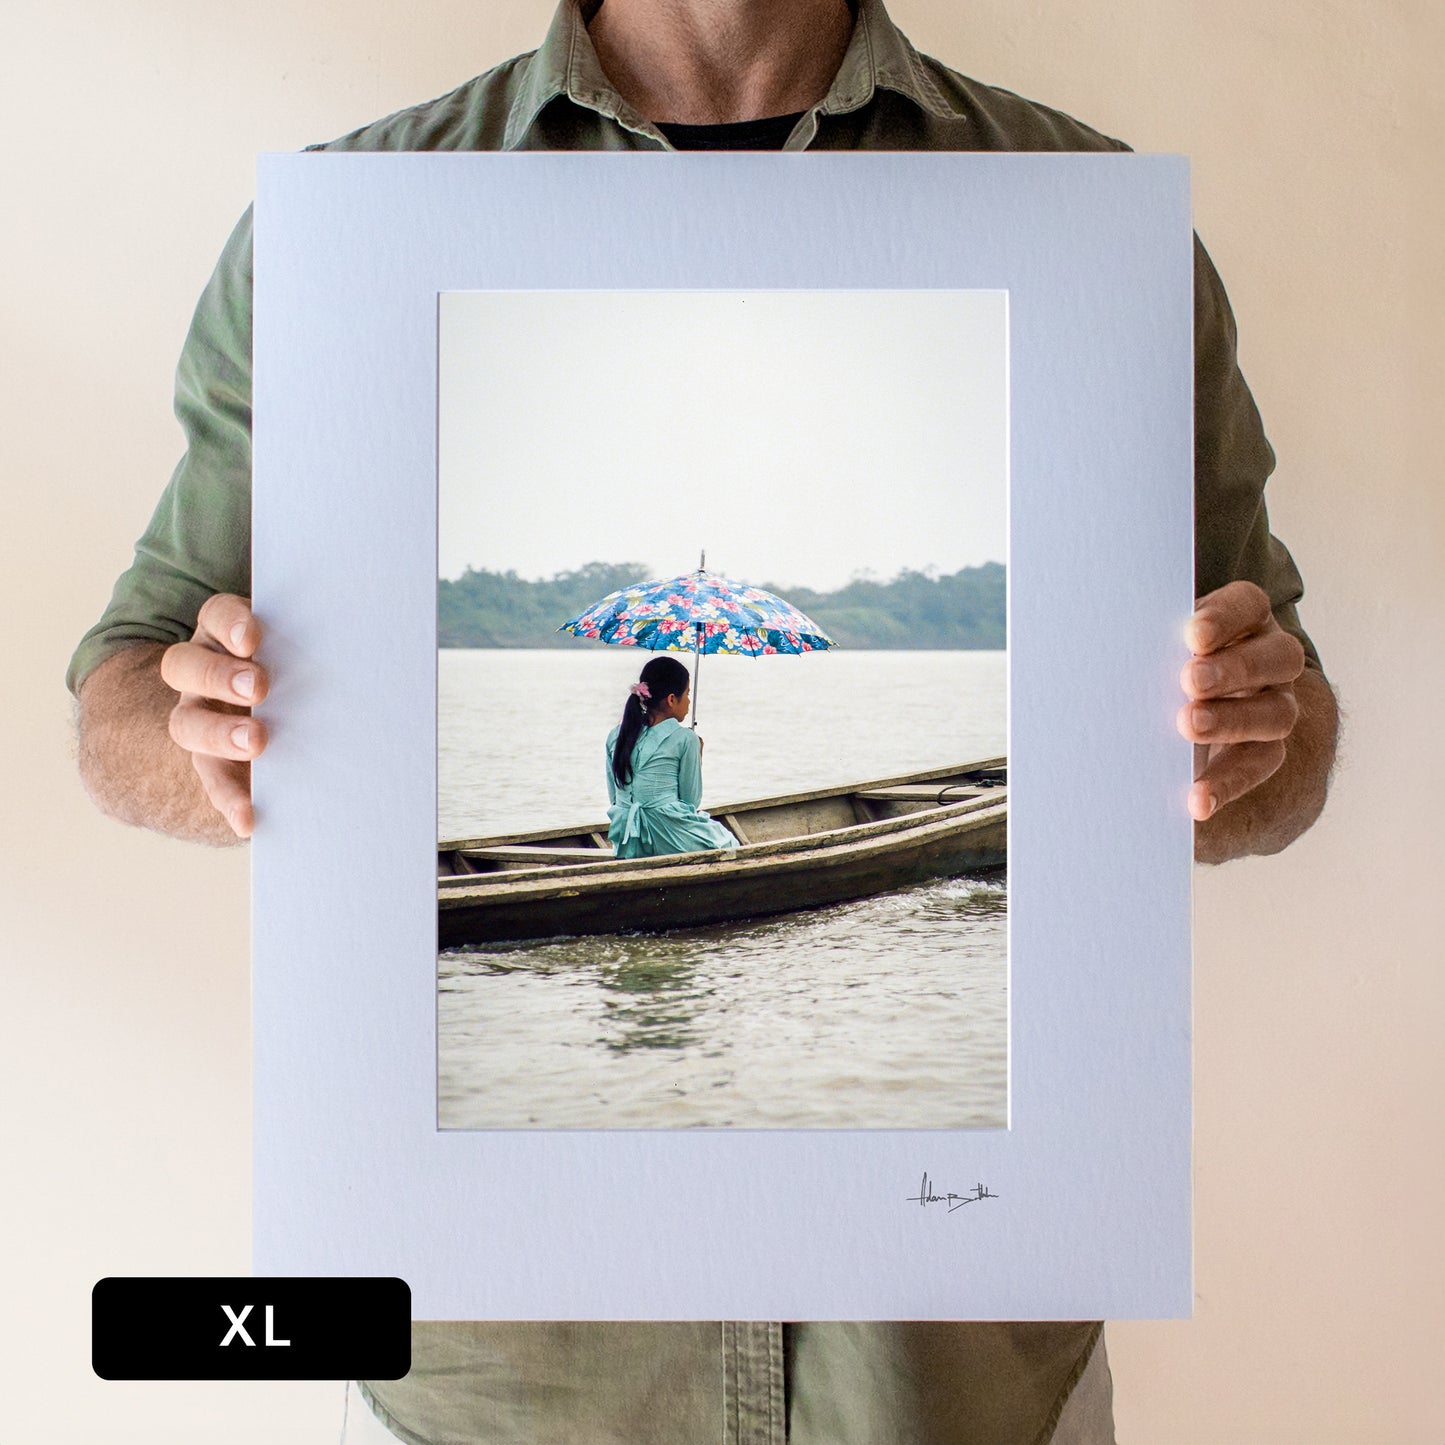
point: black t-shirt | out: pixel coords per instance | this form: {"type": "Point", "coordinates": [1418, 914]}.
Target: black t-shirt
{"type": "Point", "coordinates": [767, 134]}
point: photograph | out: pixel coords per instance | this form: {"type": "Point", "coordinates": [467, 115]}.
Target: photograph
{"type": "Point", "coordinates": [787, 540]}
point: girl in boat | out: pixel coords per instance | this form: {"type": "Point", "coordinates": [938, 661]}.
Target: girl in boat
{"type": "Point", "coordinates": [654, 771]}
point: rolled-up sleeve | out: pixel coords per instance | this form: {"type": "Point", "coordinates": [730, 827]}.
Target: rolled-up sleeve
{"type": "Point", "coordinates": [198, 541]}
{"type": "Point", "coordinates": [1232, 462]}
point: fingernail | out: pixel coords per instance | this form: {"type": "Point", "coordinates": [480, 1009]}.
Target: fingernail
{"type": "Point", "coordinates": [234, 819]}
{"type": "Point", "coordinates": [238, 634]}
{"type": "Point", "coordinates": [241, 736]}
{"type": "Point", "coordinates": [1206, 674]}
{"type": "Point", "coordinates": [1212, 806]}
{"type": "Point", "coordinates": [1203, 719]}
{"type": "Point", "coordinates": [244, 683]}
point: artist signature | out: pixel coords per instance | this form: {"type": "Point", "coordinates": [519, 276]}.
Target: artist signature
{"type": "Point", "coordinates": [926, 1195]}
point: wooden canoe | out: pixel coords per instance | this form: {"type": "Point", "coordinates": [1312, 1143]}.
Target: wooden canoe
{"type": "Point", "coordinates": [796, 850]}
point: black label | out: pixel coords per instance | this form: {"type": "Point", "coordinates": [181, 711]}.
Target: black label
{"type": "Point", "coordinates": [250, 1329]}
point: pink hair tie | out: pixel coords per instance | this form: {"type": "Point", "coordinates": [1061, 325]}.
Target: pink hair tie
{"type": "Point", "coordinates": [640, 689]}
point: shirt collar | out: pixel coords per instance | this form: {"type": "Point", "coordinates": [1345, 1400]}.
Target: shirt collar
{"type": "Point", "coordinates": [879, 57]}
{"type": "Point", "coordinates": [566, 64]}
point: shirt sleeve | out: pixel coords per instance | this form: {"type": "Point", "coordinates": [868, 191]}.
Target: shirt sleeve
{"type": "Point", "coordinates": [689, 769]}
{"type": "Point", "coordinates": [1232, 462]}
{"type": "Point", "coordinates": [198, 541]}
{"type": "Point", "coordinates": [611, 780]}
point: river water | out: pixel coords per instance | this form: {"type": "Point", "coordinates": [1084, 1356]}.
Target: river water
{"type": "Point", "coordinates": [888, 1012]}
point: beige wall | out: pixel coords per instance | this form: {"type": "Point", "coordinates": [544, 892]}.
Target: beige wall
{"type": "Point", "coordinates": [130, 132]}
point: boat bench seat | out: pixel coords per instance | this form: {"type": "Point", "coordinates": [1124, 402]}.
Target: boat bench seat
{"type": "Point", "coordinates": [534, 853]}
{"type": "Point", "coordinates": [922, 792]}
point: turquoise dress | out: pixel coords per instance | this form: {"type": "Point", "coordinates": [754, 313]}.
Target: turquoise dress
{"type": "Point", "coordinates": [657, 812]}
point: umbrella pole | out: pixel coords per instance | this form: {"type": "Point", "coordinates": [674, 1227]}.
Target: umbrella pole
{"type": "Point", "coordinates": [696, 669]}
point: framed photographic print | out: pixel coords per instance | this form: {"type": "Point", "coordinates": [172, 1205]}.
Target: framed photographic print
{"type": "Point", "coordinates": [722, 852]}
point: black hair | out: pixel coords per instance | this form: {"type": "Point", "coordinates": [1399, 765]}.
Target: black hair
{"type": "Point", "coordinates": [664, 675]}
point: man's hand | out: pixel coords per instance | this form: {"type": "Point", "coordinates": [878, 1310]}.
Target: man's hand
{"type": "Point", "coordinates": [1264, 726]}
{"type": "Point", "coordinates": [219, 679]}
{"type": "Point", "coordinates": [177, 765]}
{"type": "Point", "coordinates": [1241, 682]}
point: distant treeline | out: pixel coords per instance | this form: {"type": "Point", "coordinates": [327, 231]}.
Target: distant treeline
{"type": "Point", "coordinates": [964, 610]}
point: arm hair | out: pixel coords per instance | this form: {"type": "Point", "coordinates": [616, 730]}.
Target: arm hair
{"type": "Point", "coordinates": [1270, 817]}
{"type": "Point", "coordinates": [129, 764]}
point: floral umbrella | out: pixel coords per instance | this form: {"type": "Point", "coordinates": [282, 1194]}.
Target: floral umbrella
{"type": "Point", "coordinates": [699, 612]}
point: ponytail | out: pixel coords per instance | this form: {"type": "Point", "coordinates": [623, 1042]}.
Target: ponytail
{"type": "Point", "coordinates": [634, 719]}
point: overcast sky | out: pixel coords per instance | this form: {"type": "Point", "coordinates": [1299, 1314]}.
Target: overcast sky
{"type": "Point", "coordinates": [800, 437]}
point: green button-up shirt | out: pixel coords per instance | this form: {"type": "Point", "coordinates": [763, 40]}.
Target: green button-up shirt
{"type": "Point", "coordinates": [741, 1383]}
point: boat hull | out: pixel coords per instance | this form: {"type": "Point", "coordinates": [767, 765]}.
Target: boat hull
{"type": "Point", "coordinates": [756, 880]}
{"type": "Point", "coordinates": [717, 892]}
